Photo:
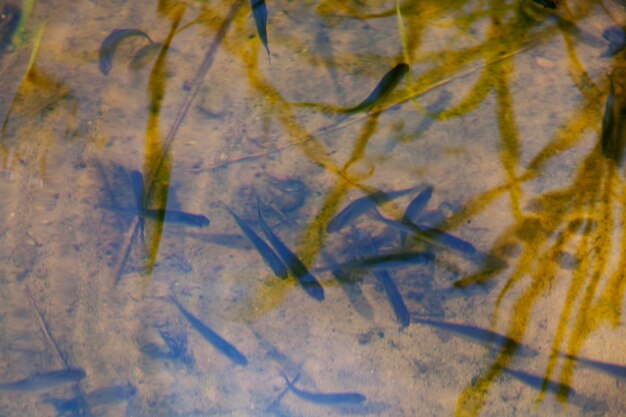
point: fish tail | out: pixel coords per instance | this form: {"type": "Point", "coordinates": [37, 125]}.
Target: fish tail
{"type": "Point", "coordinates": [287, 381]}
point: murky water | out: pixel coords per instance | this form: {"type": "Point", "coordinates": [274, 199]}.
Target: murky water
{"type": "Point", "coordinates": [109, 176]}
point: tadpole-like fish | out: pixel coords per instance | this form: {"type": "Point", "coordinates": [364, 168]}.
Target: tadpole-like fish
{"type": "Point", "coordinates": [448, 240]}
{"type": "Point", "coordinates": [177, 217]}
{"type": "Point", "coordinates": [384, 261]}
{"type": "Point", "coordinates": [362, 206]}
{"type": "Point", "coordinates": [103, 396]}
{"type": "Point", "coordinates": [385, 86]}
{"type": "Point", "coordinates": [9, 22]}
{"type": "Point", "coordinates": [395, 298]}
{"type": "Point", "coordinates": [414, 210]}
{"type": "Point", "coordinates": [259, 12]}
{"type": "Point", "coordinates": [308, 282]}
{"type": "Point", "coordinates": [616, 37]}
{"type": "Point", "coordinates": [618, 371]}
{"type": "Point", "coordinates": [417, 205]}
{"type": "Point", "coordinates": [111, 42]}
{"type": "Point", "coordinates": [434, 236]}
{"type": "Point", "coordinates": [269, 256]}
{"type": "Point", "coordinates": [613, 130]}
{"type": "Point", "coordinates": [165, 215]}
{"type": "Point", "coordinates": [477, 334]}
{"type": "Point", "coordinates": [136, 182]}
{"type": "Point", "coordinates": [320, 398]}
{"type": "Point", "coordinates": [210, 336]}
{"type": "Point", "coordinates": [538, 382]}
{"type": "Point", "coordinates": [44, 381]}
{"type": "Point", "coordinates": [144, 54]}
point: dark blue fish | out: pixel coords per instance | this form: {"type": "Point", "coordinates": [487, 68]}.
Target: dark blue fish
{"type": "Point", "coordinates": [210, 336]}
{"type": "Point", "coordinates": [613, 129]}
{"type": "Point", "coordinates": [362, 206]}
{"type": "Point", "coordinates": [10, 17]}
{"type": "Point", "coordinates": [308, 282]}
{"type": "Point", "coordinates": [538, 382]}
{"type": "Point", "coordinates": [259, 12]}
{"type": "Point", "coordinates": [269, 256]}
{"type": "Point", "coordinates": [177, 217]}
{"type": "Point", "coordinates": [616, 37]}
{"type": "Point", "coordinates": [350, 213]}
{"type": "Point", "coordinates": [103, 396]}
{"type": "Point", "coordinates": [414, 210]}
{"type": "Point", "coordinates": [618, 371]}
{"type": "Point", "coordinates": [44, 381]}
{"type": "Point", "coordinates": [446, 239]}
{"type": "Point", "coordinates": [385, 261]}
{"type": "Point", "coordinates": [110, 44]}
{"type": "Point", "coordinates": [166, 216]}
{"type": "Point", "coordinates": [144, 55]}
{"type": "Point", "coordinates": [136, 182]}
{"type": "Point", "coordinates": [485, 337]}
{"type": "Point", "coordinates": [395, 299]}
{"type": "Point", "coordinates": [475, 333]}
{"type": "Point", "coordinates": [434, 236]}
{"type": "Point", "coordinates": [385, 86]}
{"type": "Point", "coordinates": [417, 205]}
{"type": "Point", "coordinates": [330, 399]}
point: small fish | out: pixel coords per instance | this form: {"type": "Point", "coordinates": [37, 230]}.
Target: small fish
{"type": "Point", "coordinates": [177, 217]}
{"type": "Point", "coordinates": [308, 282]}
{"type": "Point", "coordinates": [102, 396]}
{"type": "Point", "coordinates": [210, 336]}
{"type": "Point", "coordinates": [613, 130]}
{"type": "Point", "coordinates": [616, 37]}
{"type": "Point", "coordinates": [385, 261]}
{"type": "Point", "coordinates": [110, 44]}
{"type": "Point", "coordinates": [548, 4]}
{"type": "Point", "coordinates": [44, 381]}
{"type": "Point", "coordinates": [395, 299]}
{"type": "Point", "coordinates": [485, 337]}
{"type": "Point", "coordinates": [434, 236]}
{"type": "Point", "coordinates": [259, 12]}
{"type": "Point", "coordinates": [269, 256]}
{"type": "Point", "coordinates": [386, 85]}
{"type": "Point", "coordinates": [362, 206]}
{"type": "Point", "coordinates": [136, 181]}
{"type": "Point", "coordinates": [446, 239]}
{"type": "Point", "coordinates": [416, 206]}
{"type": "Point", "coordinates": [229, 240]}
{"type": "Point", "coordinates": [537, 382]}
{"type": "Point", "coordinates": [414, 210]}
{"type": "Point", "coordinates": [166, 216]}
{"type": "Point", "coordinates": [10, 17]}
{"type": "Point", "coordinates": [144, 55]}
{"type": "Point", "coordinates": [330, 399]}
{"type": "Point", "coordinates": [613, 369]}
